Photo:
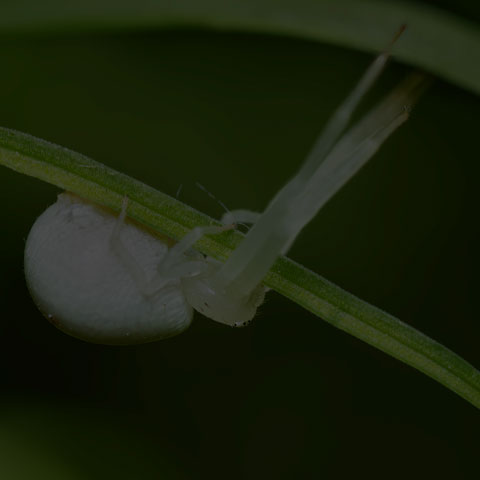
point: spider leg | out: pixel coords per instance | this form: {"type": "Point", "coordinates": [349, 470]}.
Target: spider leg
{"type": "Point", "coordinates": [121, 251]}
{"type": "Point", "coordinates": [235, 217]}
{"type": "Point", "coordinates": [175, 266]}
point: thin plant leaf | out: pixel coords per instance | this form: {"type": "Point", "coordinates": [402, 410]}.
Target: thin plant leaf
{"type": "Point", "coordinates": [94, 181]}
{"type": "Point", "coordinates": [436, 41]}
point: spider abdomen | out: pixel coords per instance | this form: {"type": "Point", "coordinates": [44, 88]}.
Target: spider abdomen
{"type": "Point", "coordinates": [81, 285]}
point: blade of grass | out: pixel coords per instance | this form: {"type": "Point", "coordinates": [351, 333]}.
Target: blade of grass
{"type": "Point", "coordinates": [92, 180]}
{"type": "Point", "coordinates": [436, 41]}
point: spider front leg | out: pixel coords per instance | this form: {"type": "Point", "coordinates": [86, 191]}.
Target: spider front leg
{"type": "Point", "coordinates": [240, 216]}
{"type": "Point", "coordinates": [176, 265]}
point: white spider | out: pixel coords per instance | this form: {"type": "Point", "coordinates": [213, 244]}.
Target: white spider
{"type": "Point", "coordinates": [110, 280]}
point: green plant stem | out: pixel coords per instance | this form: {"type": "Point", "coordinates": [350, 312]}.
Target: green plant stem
{"type": "Point", "coordinates": [92, 180]}
{"type": "Point", "coordinates": [436, 41]}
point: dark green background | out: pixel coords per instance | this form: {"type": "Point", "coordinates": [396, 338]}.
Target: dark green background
{"type": "Point", "coordinates": [290, 396]}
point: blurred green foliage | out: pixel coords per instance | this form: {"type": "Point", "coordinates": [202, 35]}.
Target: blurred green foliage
{"type": "Point", "coordinates": [441, 43]}
{"type": "Point", "coordinates": [288, 397]}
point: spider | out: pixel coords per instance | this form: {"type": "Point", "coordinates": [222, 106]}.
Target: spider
{"type": "Point", "coordinates": [107, 279]}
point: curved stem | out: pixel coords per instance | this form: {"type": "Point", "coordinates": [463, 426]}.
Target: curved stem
{"type": "Point", "coordinates": [375, 327]}
{"type": "Point", "coordinates": [436, 41]}
{"type": "Point", "coordinates": [96, 182]}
